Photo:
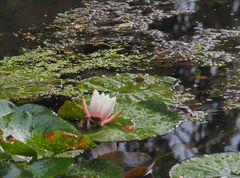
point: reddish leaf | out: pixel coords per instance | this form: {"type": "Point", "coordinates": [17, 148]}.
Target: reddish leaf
{"type": "Point", "coordinates": [134, 164]}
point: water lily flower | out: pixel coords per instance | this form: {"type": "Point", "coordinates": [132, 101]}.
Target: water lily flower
{"type": "Point", "coordinates": [100, 108]}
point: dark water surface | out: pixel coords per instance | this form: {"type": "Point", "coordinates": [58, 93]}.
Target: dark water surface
{"type": "Point", "coordinates": [221, 132]}
{"type": "Point", "coordinates": [207, 14]}
{"type": "Point", "coordinates": [21, 15]}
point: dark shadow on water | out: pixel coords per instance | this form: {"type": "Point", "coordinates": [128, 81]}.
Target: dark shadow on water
{"type": "Point", "coordinates": [21, 15]}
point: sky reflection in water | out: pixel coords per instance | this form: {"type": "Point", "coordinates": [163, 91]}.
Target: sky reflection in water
{"type": "Point", "coordinates": [220, 134]}
{"type": "Point", "coordinates": [207, 14]}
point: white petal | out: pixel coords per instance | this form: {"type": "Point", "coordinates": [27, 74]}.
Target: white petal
{"type": "Point", "coordinates": [98, 105]}
{"type": "Point", "coordinates": [101, 105]}
{"type": "Point", "coordinates": [104, 102]}
{"type": "Point", "coordinates": [108, 108]}
{"type": "Point", "coordinates": [93, 103]}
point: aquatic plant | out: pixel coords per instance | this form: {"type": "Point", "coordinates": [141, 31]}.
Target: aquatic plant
{"type": "Point", "coordinates": [100, 109]}
{"type": "Point", "coordinates": [214, 165]}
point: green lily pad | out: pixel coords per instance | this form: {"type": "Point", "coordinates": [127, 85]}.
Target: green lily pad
{"type": "Point", "coordinates": [19, 83]}
{"type": "Point", "coordinates": [25, 121]}
{"type": "Point", "coordinates": [48, 167]}
{"type": "Point", "coordinates": [6, 107]}
{"type": "Point", "coordinates": [144, 102]}
{"type": "Point", "coordinates": [69, 154]}
{"type": "Point", "coordinates": [41, 129]}
{"type": "Point", "coordinates": [94, 169]}
{"type": "Point", "coordinates": [46, 121]}
{"type": "Point", "coordinates": [209, 166]}
{"type": "Point", "coordinates": [9, 169]}
{"type": "Point", "coordinates": [71, 110]}
{"type": "Point", "coordinates": [22, 125]}
{"type": "Point", "coordinates": [18, 148]}
{"type": "Point", "coordinates": [131, 87]}
{"type": "Point", "coordinates": [60, 142]}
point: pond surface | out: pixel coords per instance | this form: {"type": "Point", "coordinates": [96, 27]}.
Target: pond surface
{"type": "Point", "coordinates": [221, 131]}
{"type": "Point", "coordinates": [18, 16]}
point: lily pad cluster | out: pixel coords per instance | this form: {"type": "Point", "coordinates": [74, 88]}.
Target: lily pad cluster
{"type": "Point", "coordinates": [35, 142]}
{"type": "Point", "coordinates": [144, 100]}
{"type": "Point", "coordinates": [36, 134]}
{"type": "Point", "coordinates": [21, 83]}
{"type": "Point", "coordinates": [47, 70]}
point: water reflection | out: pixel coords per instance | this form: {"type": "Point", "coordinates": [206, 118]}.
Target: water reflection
{"type": "Point", "coordinates": [235, 6]}
{"type": "Point", "coordinates": [185, 5]}
{"type": "Point", "coordinates": [191, 139]}
{"type": "Point", "coordinates": [220, 134]}
{"type": "Point", "coordinates": [234, 144]}
{"type": "Point", "coordinates": [205, 14]}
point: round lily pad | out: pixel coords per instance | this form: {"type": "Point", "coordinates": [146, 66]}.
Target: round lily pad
{"type": "Point", "coordinates": [23, 125]}
{"type": "Point", "coordinates": [48, 167]}
{"type": "Point", "coordinates": [6, 107]}
{"type": "Point", "coordinates": [9, 169]}
{"type": "Point", "coordinates": [94, 169]}
{"type": "Point", "coordinates": [38, 131]}
{"type": "Point", "coordinates": [143, 101]}
{"type": "Point", "coordinates": [208, 166]}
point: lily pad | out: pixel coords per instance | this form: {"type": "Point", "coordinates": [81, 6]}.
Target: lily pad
{"type": "Point", "coordinates": [69, 154]}
{"type": "Point", "coordinates": [60, 142]}
{"type": "Point", "coordinates": [49, 167]}
{"type": "Point", "coordinates": [94, 169]}
{"type": "Point", "coordinates": [23, 125]}
{"type": "Point", "coordinates": [6, 107]}
{"type": "Point", "coordinates": [144, 102]}
{"type": "Point", "coordinates": [9, 169]}
{"type": "Point", "coordinates": [18, 148]}
{"type": "Point", "coordinates": [209, 166]}
{"type": "Point", "coordinates": [71, 110]}
{"type": "Point", "coordinates": [18, 83]}
{"type": "Point", "coordinates": [131, 87]}
{"type": "Point", "coordinates": [41, 129]}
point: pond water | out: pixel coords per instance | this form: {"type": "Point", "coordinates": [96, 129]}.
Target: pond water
{"type": "Point", "coordinates": [18, 16]}
{"type": "Point", "coordinates": [221, 131]}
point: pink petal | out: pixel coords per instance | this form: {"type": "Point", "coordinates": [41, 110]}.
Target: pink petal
{"type": "Point", "coordinates": [95, 105]}
{"type": "Point", "coordinates": [85, 109]}
{"type": "Point", "coordinates": [115, 116]}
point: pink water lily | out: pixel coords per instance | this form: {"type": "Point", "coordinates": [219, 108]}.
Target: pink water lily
{"type": "Point", "coordinates": [100, 108]}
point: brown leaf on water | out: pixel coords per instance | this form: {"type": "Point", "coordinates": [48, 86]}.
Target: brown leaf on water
{"type": "Point", "coordinates": [134, 164]}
